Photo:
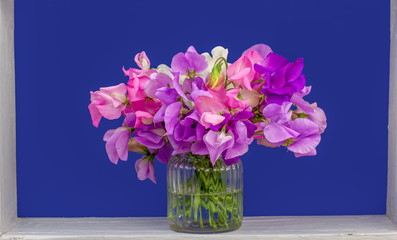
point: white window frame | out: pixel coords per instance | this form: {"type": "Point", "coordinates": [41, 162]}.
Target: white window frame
{"type": "Point", "coordinates": [381, 227]}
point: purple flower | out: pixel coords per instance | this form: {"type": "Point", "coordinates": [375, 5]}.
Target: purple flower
{"type": "Point", "coordinates": [117, 144]}
{"type": "Point", "coordinates": [150, 136]}
{"type": "Point", "coordinates": [167, 95]}
{"type": "Point", "coordinates": [309, 137]}
{"type": "Point", "coordinates": [217, 142]}
{"type": "Point", "coordinates": [261, 48]}
{"type": "Point", "coordinates": [190, 60]}
{"type": "Point", "coordinates": [157, 81]}
{"type": "Point", "coordinates": [145, 169]}
{"type": "Point", "coordinates": [179, 146]}
{"type": "Point", "coordinates": [283, 78]}
{"type": "Point", "coordinates": [164, 154]}
{"type": "Point", "coordinates": [241, 141]}
{"type": "Point", "coordinates": [171, 116]}
{"type": "Point", "coordinates": [279, 116]}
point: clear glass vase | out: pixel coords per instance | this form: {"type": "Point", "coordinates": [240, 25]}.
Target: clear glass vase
{"type": "Point", "coordinates": [203, 198]}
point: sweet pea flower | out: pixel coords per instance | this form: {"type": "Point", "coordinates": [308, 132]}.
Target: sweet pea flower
{"type": "Point", "coordinates": [179, 146]}
{"type": "Point", "coordinates": [309, 137]}
{"type": "Point", "coordinates": [164, 154]}
{"type": "Point", "coordinates": [145, 169]}
{"type": "Point", "coordinates": [241, 72]}
{"type": "Point", "coordinates": [262, 49]}
{"type": "Point", "coordinates": [162, 68]}
{"type": "Point", "coordinates": [209, 110]}
{"type": "Point", "coordinates": [264, 142]}
{"type": "Point", "coordinates": [145, 111]}
{"type": "Point", "coordinates": [316, 115]}
{"type": "Point", "coordinates": [108, 102]}
{"type": "Point", "coordinates": [150, 136]}
{"type": "Point", "coordinates": [136, 83]}
{"type": "Point", "coordinates": [233, 102]}
{"type": "Point", "coordinates": [216, 80]}
{"type": "Point", "coordinates": [134, 146]}
{"type": "Point", "coordinates": [241, 141]}
{"type": "Point", "coordinates": [252, 97]}
{"type": "Point", "coordinates": [283, 78]}
{"type": "Point", "coordinates": [191, 60]}
{"type": "Point", "coordinates": [216, 52]}
{"type": "Point", "coordinates": [142, 61]}
{"type": "Point", "coordinates": [117, 144]}
{"type": "Point", "coordinates": [277, 130]}
{"type": "Point", "coordinates": [157, 81]}
{"type": "Point", "coordinates": [217, 142]}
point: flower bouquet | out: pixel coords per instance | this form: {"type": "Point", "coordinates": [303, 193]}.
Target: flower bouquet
{"type": "Point", "coordinates": [199, 116]}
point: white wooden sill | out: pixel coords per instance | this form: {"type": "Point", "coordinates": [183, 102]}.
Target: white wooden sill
{"type": "Point", "coordinates": [275, 228]}
{"type": "Point", "coordinates": [380, 227]}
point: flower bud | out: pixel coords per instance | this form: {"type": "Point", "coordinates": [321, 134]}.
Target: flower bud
{"type": "Point", "coordinates": [134, 146]}
{"type": "Point", "coordinates": [142, 61]}
{"type": "Point", "coordinates": [216, 79]}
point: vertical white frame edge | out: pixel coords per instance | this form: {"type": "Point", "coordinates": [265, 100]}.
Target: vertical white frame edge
{"type": "Point", "coordinates": [8, 195]}
{"type": "Point", "coordinates": [392, 141]}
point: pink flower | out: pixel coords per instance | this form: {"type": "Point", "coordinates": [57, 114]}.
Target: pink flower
{"type": "Point", "coordinates": [144, 111]}
{"type": "Point", "coordinates": [209, 109]}
{"type": "Point", "coordinates": [136, 83]}
{"type": "Point", "coordinates": [233, 102]}
{"type": "Point", "coordinates": [117, 144]}
{"type": "Point", "coordinates": [145, 169]}
{"type": "Point", "coordinates": [241, 72]}
{"type": "Point", "coordinates": [108, 102]}
{"type": "Point", "coordinates": [142, 61]}
{"type": "Point", "coordinates": [318, 117]}
{"type": "Point", "coordinates": [252, 96]}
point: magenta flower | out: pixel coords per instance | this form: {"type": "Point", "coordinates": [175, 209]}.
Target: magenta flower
{"type": "Point", "coordinates": [108, 102]}
{"type": "Point", "coordinates": [145, 169]}
{"type": "Point", "coordinates": [136, 83]}
{"type": "Point", "coordinates": [145, 111]}
{"type": "Point", "coordinates": [283, 78]}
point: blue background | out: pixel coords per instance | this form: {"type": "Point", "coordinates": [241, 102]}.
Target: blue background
{"type": "Point", "coordinates": [66, 48]}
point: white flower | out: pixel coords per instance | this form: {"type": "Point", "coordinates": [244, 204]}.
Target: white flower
{"type": "Point", "coordinates": [162, 68]}
{"type": "Point", "coordinates": [216, 53]}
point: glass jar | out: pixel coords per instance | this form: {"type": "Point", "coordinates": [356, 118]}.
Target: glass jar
{"type": "Point", "coordinates": [203, 198]}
